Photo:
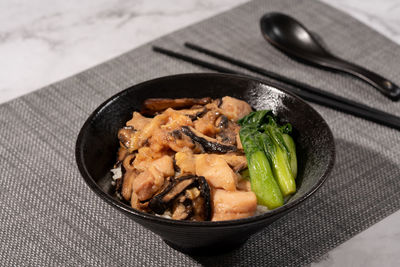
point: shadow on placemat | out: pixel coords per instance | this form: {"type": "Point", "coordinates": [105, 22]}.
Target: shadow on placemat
{"type": "Point", "coordinates": [327, 219]}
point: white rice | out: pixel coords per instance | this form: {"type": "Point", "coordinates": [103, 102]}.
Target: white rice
{"type": "Point", "coordinates": [117, 173]}
{"type": "Point", "coordinates": [166, 215]}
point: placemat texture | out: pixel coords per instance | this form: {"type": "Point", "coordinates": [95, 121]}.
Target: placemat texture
{"type": "Point", "coordinates": [50, 217]}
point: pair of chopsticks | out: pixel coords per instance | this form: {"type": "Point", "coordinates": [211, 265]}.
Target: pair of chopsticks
{"type": "Point", "coordinates": [303, 90]}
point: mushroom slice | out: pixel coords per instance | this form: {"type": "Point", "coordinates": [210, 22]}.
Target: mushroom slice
{"type": "Point", "coordinates": [209, 144]}
{"type": "Point", "coordinates": [222, 122]}
{"type": "Point", "coordinates": [188, 197]}
{"type": "Point", "coordinates": [125, 135]}
{"type": "Point", "coordinates": [228, 130]}
{"type": "Point", "coordinates": [154, 105]}
{"type": "Point", "coordinates": [194, 113]}
{"type": "Point", "coordinates": [182, 208]}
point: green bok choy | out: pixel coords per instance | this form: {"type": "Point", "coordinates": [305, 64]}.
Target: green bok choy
{"type": "Point", "coordinates": [271, 157]}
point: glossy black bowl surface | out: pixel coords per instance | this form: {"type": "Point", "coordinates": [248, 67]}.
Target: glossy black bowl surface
{"type": "Point", "coordinates": [97, 145]}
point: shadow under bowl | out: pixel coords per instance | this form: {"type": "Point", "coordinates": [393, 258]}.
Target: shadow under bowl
{"type": "Point", "coordinates": [97, 146]}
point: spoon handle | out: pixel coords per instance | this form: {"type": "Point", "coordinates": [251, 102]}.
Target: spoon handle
{"type": "Point", "coordinates": [385, 86]}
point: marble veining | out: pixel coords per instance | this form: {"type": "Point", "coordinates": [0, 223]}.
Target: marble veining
{"type": "Point", "coordinates": [44, 41]}
{"type": "Point", "coordinates": [383, 16]}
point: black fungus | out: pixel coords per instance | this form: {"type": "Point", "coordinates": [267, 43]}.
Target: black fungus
{"type": "Point", "coordinates": [208, 146]}
{"type": "Point", "coordinates": [199, 114]}
{"type": "Point", "coordinates": [223, 122]}
{"type": "Point", "coordinates": [169, 196]}
{"type": "Point", "coordinates": [176, 134]}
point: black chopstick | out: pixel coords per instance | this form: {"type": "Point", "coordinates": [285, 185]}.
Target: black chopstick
{"type": "Point", "coordinates": [366, 113]}
{"type": "Point", "coordinates": [280, 77]}
{"type": "Point", "coordinates": [221, 69]}
{"type": "Point", "coordinates": [194, 61]}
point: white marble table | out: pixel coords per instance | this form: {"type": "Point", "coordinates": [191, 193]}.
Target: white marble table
{"type": "Point", "coordinates": [45, 40]}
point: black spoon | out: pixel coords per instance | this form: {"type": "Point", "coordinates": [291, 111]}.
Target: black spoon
{"type": "Point", "coordinates": [291, 37]}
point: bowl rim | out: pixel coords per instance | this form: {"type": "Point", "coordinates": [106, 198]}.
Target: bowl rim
{"type": "Point", "coordinates": [157, 219]}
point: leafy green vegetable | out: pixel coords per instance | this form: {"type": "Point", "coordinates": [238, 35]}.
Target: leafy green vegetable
{"type": "Point", "coordinates": [261, 135]}
{"type": "Point", "coordinates": [292, 153]}
{"type": "Point", "coordinates": [262, 180]}
{"type": "Point", "coordinates": [255, 119]}
{"type": "Point", "coordinates": [278, 157]}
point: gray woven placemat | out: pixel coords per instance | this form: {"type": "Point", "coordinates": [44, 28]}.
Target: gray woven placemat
{"type": "Point", "coordinates": [49, 217]}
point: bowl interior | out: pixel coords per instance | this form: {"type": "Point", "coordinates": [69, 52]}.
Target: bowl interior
{"type": "Point", "coordinates": [97, 142]}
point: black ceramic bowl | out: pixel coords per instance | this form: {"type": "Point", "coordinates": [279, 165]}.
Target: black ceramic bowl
{"type": "Point", "coordinates": [97, 145]}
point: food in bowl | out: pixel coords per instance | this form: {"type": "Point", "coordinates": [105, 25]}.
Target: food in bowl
{"type": "Point", "coordinates": [97, 144]}
{"type": "Point", "coordinates": [204, 159]}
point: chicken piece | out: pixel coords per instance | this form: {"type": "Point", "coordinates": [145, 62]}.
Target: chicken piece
{"type": "Point", "coordinates": [158, 127]}
{"type": "Point", "coordinates": [138, 122]}
{"type": "Point", "coordinates": [244, 185]}
{"type": "Point", "coordinates": [141, 136]}
{"type": "Point", "coordinates": [145, 157]}
{"type": "Point", "coordinates": [229, 205]}
{"type": "Point", "coordinates": [216, 171]}
{"type": "Point", "coordinates": [151, 180]}
{"type": "Point", "coordinates": [186, 162]}
{"type": "Point", "coordinates": [234, 109]}
{"type": "Point", "coordinates": [168, 135]}
{"type": "Point", "coordinates": [158, 140]}
{"type": "Point", "coordinates": [145, 185]}
{"type": "Point", "coordinates": [175, 120]}
{"type": "Point", "coordinates": [236, 162]}
{"type": "Point", "coordinates": [205, 124]}
{"type": "Point", "coordinates": [164, 165]}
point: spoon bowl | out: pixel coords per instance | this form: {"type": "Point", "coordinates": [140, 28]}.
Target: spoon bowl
{"type": "Point", "coordinates": [294, 39]}
{"type": "Point", "coordinates": [298, 42]}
